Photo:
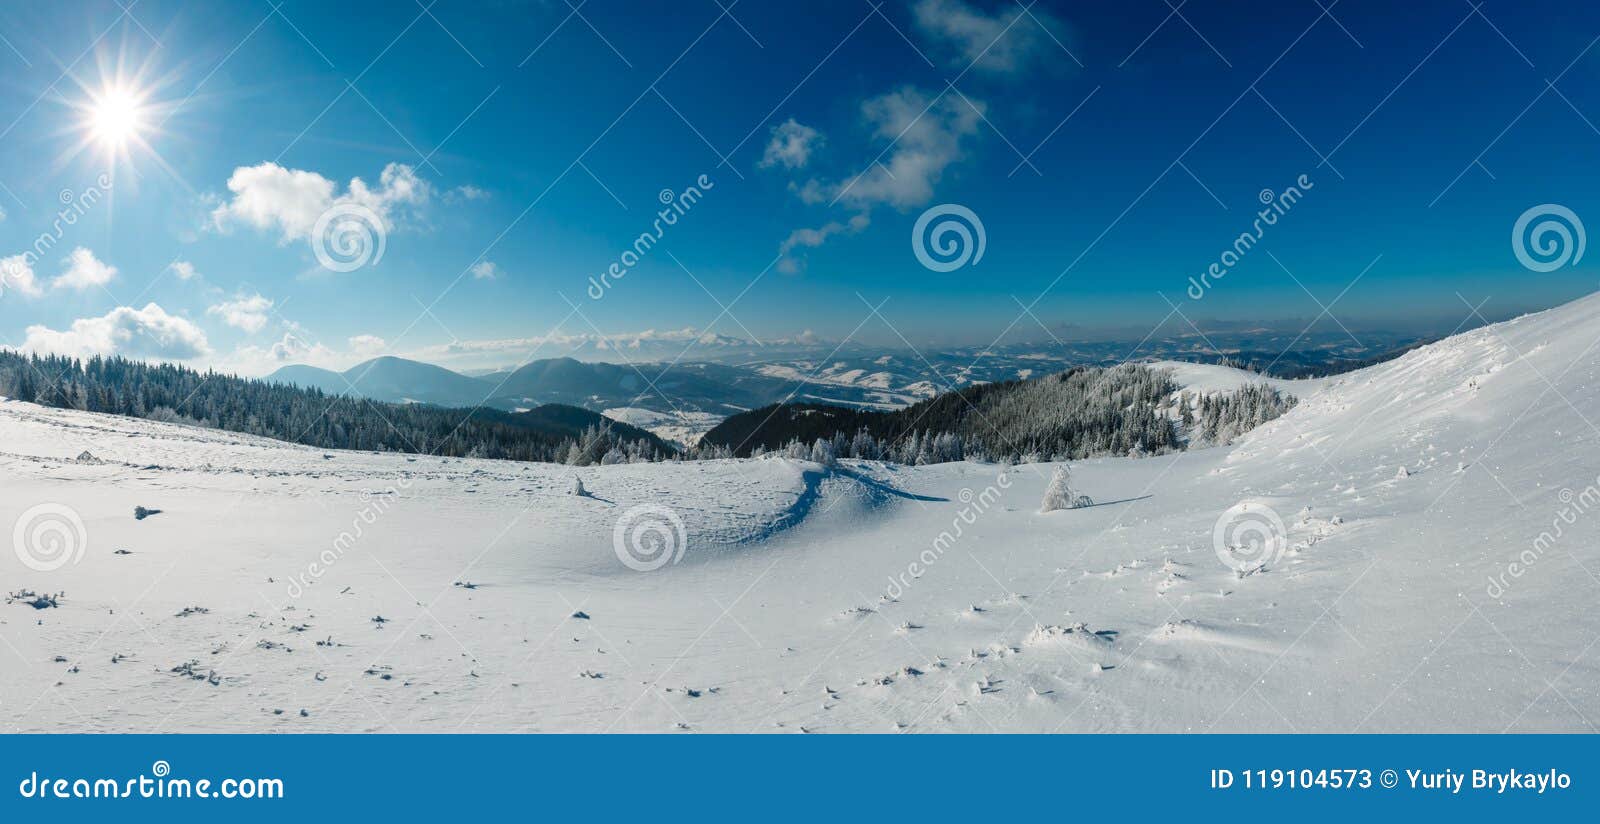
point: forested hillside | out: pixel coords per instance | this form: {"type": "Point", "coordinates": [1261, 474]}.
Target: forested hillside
{"type": "Point", "coordinates": [1083, 412]}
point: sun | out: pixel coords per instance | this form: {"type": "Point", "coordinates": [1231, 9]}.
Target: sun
{"type": "Point", "coordinates": [116, 117]}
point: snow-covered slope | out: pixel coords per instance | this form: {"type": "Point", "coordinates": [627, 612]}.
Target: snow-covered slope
{"type": "Point", "coordinates": [681, 427]}
{"type": "Point", "coordinates": [866, 598]}
{"type": "Point", "coordinates": [1207, 378]}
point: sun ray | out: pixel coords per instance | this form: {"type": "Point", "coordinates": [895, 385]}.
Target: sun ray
{"type": "Point", "coordinates": [119, 114]}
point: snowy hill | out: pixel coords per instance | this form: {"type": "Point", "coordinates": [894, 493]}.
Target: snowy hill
{"type": "Point", "coordinates": [682, 428]}
{"type": "Point", "coordinates": [1457, 594]}
{"type": "Point", "coordinates": [1206, 378]}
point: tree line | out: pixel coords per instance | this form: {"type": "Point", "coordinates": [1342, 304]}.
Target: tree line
{"type": "Point", "coordinates": [178, 394]}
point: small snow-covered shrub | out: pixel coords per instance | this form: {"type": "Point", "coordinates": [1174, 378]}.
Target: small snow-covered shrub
{"type": "Point", "coordinates": [1059, 494]}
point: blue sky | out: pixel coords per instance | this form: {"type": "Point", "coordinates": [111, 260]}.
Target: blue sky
{"type": "Point", "coordinates": [511, 151]}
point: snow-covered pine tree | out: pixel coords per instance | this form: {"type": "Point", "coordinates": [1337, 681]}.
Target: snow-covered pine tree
{"type": "Point", "coordinates": [822, 452]}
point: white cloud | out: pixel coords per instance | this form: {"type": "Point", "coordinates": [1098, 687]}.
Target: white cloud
{"type": "Point", "coordinates": [812, 238]}
{"type": "Point", "coordinates": [929, 139]}
{"type": "Point", "coordinates": [247, 312]}
{"type": "Point", "coordinates": [811, 192]}
{"type": "Point", "coordinates": [485, 270]}
{"type": "Point", "coordinates": [466, 192]}
{"type": "Point", "coordinates": [83, 271]}
{"type": "Point", "coordinates": [16, 273]}
{"type": "Point", "coordinates": [257, 361]}
{"type": "Point", "coordinates": [791, 145]}
{"type": "Point", "coordinates": [651, 343]}
{"type": "Point", "coordinates": [925, 135]}
{"type": "Point", "coordinates": [141, 333]}
{"type": "Point", "coordinates": [183, 269]}
{"type": "Point", "coordinates": [1002, 43]}
{"type": "Point", "coordinates": [295, 348]}
{"type": "Point", "coordinates": [270, 197]}
{"type": "Point", "coordinates": [367, 344]}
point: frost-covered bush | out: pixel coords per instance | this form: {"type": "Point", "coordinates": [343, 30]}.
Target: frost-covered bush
{"type": "Point", "coordinates": [1059, 494]}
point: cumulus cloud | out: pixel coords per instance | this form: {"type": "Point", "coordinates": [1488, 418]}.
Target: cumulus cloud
{"type": "Point", "coordinates": [247, 312]}
{"type": "Point", "coordinates": [16, 274]}
{"type": "Point", "coordinates": [270, 197]}
{"type": "Point", "coordinates": [183, 269]}
{"type": "Point", "coordinates": [367, 344]}
{"type": "Point", "coordinates": [293, 347]}
{"type": "Point", "coordinates": [139, 333]}
{"type": "Point", "coordinates": [485, 270]}
{"type": "Point", "coordinates": [1002, 43]}
{"type": "Point", "coordinates": [83, 271]}
{"type": "Point", "coordinates": [929, 135]}
{"type": "Point", "coordinates": [791, 145]}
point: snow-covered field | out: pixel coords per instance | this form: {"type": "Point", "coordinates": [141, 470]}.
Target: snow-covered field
{"type": "Point", "coordinates": [681, 427]}
{"type": "Point", "coordinates": [482, 596]}
{"type": "Point", "coordinates": [1207, 378]}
